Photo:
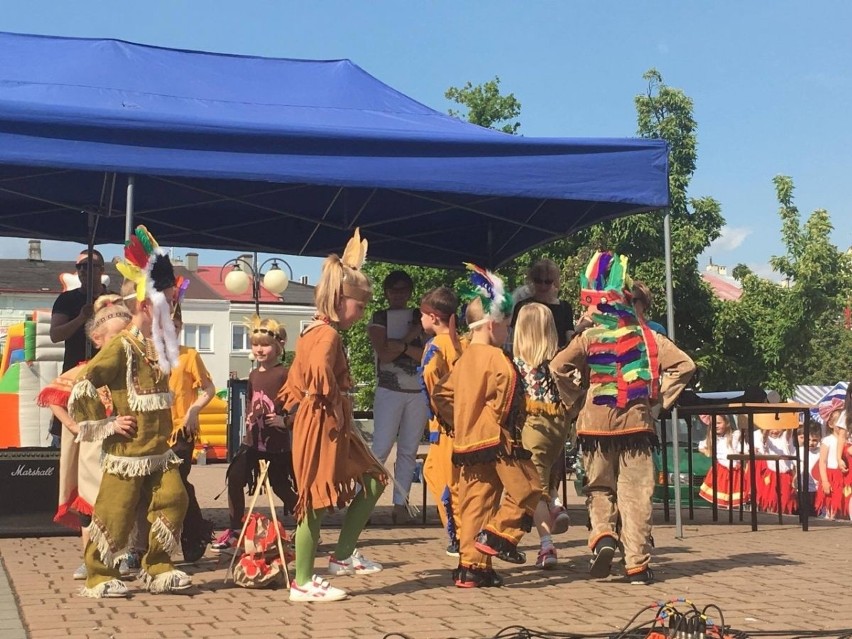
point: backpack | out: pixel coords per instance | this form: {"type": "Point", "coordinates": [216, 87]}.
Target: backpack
{"type": "Point", "coordinates": [260, 566]}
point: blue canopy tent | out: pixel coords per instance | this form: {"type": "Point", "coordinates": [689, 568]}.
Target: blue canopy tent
{"type": "Point", "coordinates": [246, 153]}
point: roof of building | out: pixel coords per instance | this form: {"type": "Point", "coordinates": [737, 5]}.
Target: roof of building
{"type": "Point", "coordinates": [296, 292]}
{"type": "Point", "coordinates": [725, 288]}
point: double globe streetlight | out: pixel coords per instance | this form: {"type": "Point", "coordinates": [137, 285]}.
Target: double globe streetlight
{"type": "Point", "coordinates": [244, 275]}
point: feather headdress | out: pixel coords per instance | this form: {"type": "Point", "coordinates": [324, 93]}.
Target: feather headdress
{"type": "Point", "coordinates": [622, 351]}
{"type": "Point", "coordinates": [150, 269]}
{"type": "Point", "coordinates": [497, 303]}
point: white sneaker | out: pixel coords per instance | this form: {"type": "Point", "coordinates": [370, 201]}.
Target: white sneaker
{"type": "Point", "coordinates": [81, 572]}
{"type": "Point", "coordinates": [357, 564]}
{"type": "Point", "coordinates": [318, 590]}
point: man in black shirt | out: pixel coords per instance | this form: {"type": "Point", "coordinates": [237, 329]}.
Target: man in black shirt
{"type": "Point", "coordinates": [72, 309]}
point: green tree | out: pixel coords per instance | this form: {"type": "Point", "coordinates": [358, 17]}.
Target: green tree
{"type": "Point", "coordinates": [778, 336]}
{"type": "Point", "coordinates": [663, 112]}
{"type": "Point", "coordinates": [486, 106]}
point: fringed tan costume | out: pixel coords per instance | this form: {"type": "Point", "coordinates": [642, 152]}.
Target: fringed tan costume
{"type": "Point", "coordinates": [621, 368]}
{"type": "Point", "coordinates": [140, 468]}
{"type": "Point", "coordinates": [482, 402]}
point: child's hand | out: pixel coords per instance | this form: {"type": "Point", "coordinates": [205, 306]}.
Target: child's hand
{"type": "Point", "coordinates": [274, 420]}
{"type": "Point", "coordinates": [125, 425]}
{"type": "Point", "coordinates": [190, 422]}
{"type": "Point", "coordinates": [826, 488]}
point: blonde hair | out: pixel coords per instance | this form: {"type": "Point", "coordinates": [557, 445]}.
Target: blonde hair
{"type": "Point", "coordinates": [535, 340]}
{"type": "Point", "coordinates": [474, 311]}
{"type": "Point", "coordinates": [266, 332]}
{"type": "Point", "coordinates": [338, 280]}
{"type": "Point", "coordinates": [711, 431]}
{"type": "Point", "coordinates": [106, 308]}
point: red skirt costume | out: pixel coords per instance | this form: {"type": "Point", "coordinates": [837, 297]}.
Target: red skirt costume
{"type": "Point", "coordinates": [835, 505]}
{"type": "Point", "coordinates": [739, 483]}
{"type": "Point", "coordinates": [767, 489]}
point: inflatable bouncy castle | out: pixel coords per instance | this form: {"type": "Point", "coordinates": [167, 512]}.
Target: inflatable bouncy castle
{"type": "Point", "coordinates": [29, 362]}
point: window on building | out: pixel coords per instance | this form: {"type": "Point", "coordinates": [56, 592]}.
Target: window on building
{"type": "Point", "coordinates": [199, 337]}
{"type": "Point", "coordinates": [240, 342]}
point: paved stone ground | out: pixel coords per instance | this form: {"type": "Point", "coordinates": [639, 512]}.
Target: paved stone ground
{"type": "Point", "coordinates": [778, 578]}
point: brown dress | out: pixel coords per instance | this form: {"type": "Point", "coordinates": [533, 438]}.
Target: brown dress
{"type": "Point", "coordinates": [329, 455]}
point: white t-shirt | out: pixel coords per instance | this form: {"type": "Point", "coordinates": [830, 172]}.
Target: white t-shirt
{"type": "Point", "coordinates": [723, 450]}
{"type": "Point", "coordinates": [813, 458]}
{"type": "Point", "coordinates": [782, 445]}
{"type": "Point", "coordinates": [831, 442]}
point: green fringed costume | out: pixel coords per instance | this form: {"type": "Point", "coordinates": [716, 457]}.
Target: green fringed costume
{"type": "Point", "coordinates": [141, 468]}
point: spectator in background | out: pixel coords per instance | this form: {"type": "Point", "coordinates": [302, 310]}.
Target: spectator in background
{"type": "Point", "coordinates": [542, 281]}
{"type": "Point", "coordinates": [400, 411]}
{"type": "Point", "coordinates": [71, 310]}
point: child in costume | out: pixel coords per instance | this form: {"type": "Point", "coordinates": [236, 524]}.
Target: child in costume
{"type": "Point", "coordinates": [830, 499]}
{"type": "Point", "coordinates": [546, 426]}
{"type": "Point", "coordinates": [80, 464]}
{"type": "Point", "coordinates": [776, 442]}
{"type": "Point", "coordinates": [438, 318]}
{"type": "Point", "coordinates": [192, 389]}
{"type": "Point", "coordinates": [728, 472]}
{"type": "Point", "coordinates": [138, 465]}
{"type": "Point", "coordinates": [267, 435]}
{"type": "Point", "coordinates": [625, 369]}
{"type": "Point", "coordinates": [332, 463]}
{"type": "Point", "coordinates": [482, 403]}
{"type": "Point", "coordinates": [807, 474]}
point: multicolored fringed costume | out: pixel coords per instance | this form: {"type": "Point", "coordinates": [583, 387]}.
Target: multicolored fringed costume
{"type": "Point", "coordinates": [134, 368]}
{"type": "Point", "coordinates": [482, 402]}
{"type": "Point", "coordinates": [442, 477]}
{"type": "Point", "coordinates": [616, 366]}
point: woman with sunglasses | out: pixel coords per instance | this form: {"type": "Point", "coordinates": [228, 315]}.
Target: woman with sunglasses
{"type": "Point", "coordinates": [543, 281]}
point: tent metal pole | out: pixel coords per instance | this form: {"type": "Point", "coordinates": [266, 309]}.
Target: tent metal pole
{"type": "Point", "coordinates": [128, 214]}
{"type": "Point", "coordinates": [667, 232]}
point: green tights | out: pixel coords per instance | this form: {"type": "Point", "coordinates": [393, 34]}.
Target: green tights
{"type": "Point", "coordinates": [308, 530]}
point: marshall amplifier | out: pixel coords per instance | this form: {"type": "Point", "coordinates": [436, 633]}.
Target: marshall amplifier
{"type": "Point", "coordinates": [29, 492]}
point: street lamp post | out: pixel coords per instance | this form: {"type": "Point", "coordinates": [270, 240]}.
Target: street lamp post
{"type": "Point", "coordinates": [244, 274]}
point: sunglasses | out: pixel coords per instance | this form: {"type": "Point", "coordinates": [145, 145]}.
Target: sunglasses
{"type": "Point", "coordinates": [541, 281]}
{"type": "Point", "coordinates": [85, 265]}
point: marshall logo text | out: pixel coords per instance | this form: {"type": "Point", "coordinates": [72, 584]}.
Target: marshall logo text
{"type": "Point", "coordinates": [26, 471]}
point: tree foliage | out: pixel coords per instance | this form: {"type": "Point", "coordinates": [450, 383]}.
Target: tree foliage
{"type": "Point", "coordinates": [486, 106]}
{"type": "Point", "coordinates": [778, 336]}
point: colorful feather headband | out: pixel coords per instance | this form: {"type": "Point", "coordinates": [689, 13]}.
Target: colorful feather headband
{"type": "Point", "coordinates": [150, 269]}
{"type": "Point", "coordinates": [622, 351]}
{"type": "Point", "coordinates": [497, 303]}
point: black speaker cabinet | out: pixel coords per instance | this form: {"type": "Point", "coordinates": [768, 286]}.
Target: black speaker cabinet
{"type": "Point", "coordinates": [29, 492]}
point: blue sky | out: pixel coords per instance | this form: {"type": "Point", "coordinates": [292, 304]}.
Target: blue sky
{"type": "Point", "coordinates": [771, 82]}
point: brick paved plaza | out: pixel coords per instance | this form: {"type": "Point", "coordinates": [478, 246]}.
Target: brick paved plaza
{"type": "Point", "coordinates": [774, 579]}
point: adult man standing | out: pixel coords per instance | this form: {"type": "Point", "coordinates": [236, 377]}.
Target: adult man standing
{"type": "Point", "coordinates": [71, 311]}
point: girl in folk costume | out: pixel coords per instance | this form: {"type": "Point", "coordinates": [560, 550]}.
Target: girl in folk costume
{"type": "Point", "coordinates": [481, 401]}
{"type": "Point", "coordinates": [438, 318]}
{"type": "Point", "coordinates": [332, 463]}
{"type": "Point", "coordinates": [80, 464]}
{"type": "Point", "coordinates": [267, 434]}
{"type": "Point", "coordinates": [776, 442]}
{"type": "Point", "coordinates": [812, 442]}
{"type": "Point", "coordinates": [728, 441]}
{"type": "Point", "coordinates": [138, 465]}
{"type": "Point", "coordinates": [831, 500]}
{"type": "Point", "coordinates": [622, 368]}
{"type": "Point", "coordinates": [546, 427]}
